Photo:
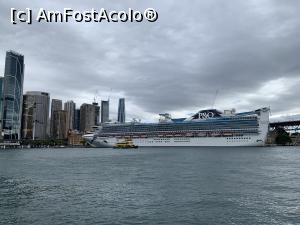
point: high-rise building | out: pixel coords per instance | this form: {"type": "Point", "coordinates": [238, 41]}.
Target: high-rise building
{"type": "Point", "coordinates": [104, 111]}
{"type": "Point", "coordinates": [70, 107]}
{"type": "Point", "coordinates": [97, 112]}
{"type": "Point", "coordinates": [48, 127]}
{"type": "Point", "coordinates": [35, 115]}
{"type": "Point", "coordinates": [60, 121]}
{"type": "Point", "coordinates": [56, 105]}
{"type": "Point", "coordinates": [121, 110]}
{"type": "Point", "coordinates": [88, 117]}
{"type": "Point", "coordinates": [13, 95]}
{"type": "Point", "coordinates": [77, 119]}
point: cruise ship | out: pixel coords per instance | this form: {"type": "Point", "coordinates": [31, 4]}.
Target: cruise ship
{"type": "Point", "coordinates": [205, 128]}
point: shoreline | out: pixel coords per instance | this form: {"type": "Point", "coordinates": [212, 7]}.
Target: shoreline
{"type": "Point", "coordinates": [16, 147]}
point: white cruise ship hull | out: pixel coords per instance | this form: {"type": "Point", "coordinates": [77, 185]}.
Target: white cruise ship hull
{"type": "Point", "coordinates": [183, 141]}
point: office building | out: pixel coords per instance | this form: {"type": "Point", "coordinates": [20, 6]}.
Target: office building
{"type": "Point", "coordinates": [13, 95]}
{"type": "Point", "coordinates": [97, 113]}
{"type": "Point", "coordinates": [77, 119]}
{"type": "Point", "coordinates": [121, 110]}
{"type": "Point", "coordinates": [88, 116]}
{"type": "Point", "coordinates": [104, 111]}
{"type": "Point", "coordinates": [35, 115]}
{"type": "Point", "coordinates": [70, 107]}
{"type": "Point", "coordinates": [56, 105]}
{"type": "Point", "coordinates": [60, 121]}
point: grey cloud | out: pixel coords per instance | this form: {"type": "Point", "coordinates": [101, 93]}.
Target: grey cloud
{"type": "Point", "coordinates": [175, 64]}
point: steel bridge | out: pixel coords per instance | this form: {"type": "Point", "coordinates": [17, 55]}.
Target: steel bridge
{"type": "Point", "coordinates": [289, 126]}
{"type": "Point", "coordinates": [292, 127]}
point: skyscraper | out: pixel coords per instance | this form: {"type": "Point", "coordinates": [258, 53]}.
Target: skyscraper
{"type": "Point", "coordinates": [97, 112]}
{"type": "Point", "coordinates": [35, 115]}
{"type": "Point", "coordinates": [13, 95]}
{"type": "Point", "coordinates": [60, 120]}
{"type": "Point", "coordinates": [77, 119]}
{"type": "Point", "coordinates": [70, 107]}
{"type": "Point", "coordinates": [88, 117]}
{"type": "Point", "coordinates": [56, 105]}
{"type": "Point", "coordinates": [121, 110]}
{"type": "Point", "coordinates": [104, 111]}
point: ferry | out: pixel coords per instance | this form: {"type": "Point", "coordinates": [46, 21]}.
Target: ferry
{"type": "Point", "coordinates": [126, 144]}
{"type": "Point", "coordinates": [209, 127]}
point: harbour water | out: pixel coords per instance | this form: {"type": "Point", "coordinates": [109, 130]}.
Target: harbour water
{"type": "Point", "coordinates": [150, 186]}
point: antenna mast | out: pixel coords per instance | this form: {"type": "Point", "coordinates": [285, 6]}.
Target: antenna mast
{"type": "Point", "coordinates": [96, 96]}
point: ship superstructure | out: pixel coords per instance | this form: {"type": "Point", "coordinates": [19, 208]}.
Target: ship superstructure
{"type": "Point", "coordinates": [204, 128]}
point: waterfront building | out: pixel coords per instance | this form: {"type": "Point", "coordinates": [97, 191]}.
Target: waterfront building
{"type": "Point", "coordinates": [104, 111]}
{"type": "Point", "coordinates": [60, 121]}
{"type": "Point", "coordinates": [35, 115]}
{"type": "Point", "coordinates": [75, 139]}
{"type": "Point", "coordinates": [77, 119]}
{"type": "Point", "coordinates": [121, 110]}
{"type": "Point", "coordinates": [70, 107]}
{"type": "Point", "coordinates": [88, 116]}
{"type": "Point", "coordinates": [56, 105]}
{"type": "Point", "coordinates": [13, 95]}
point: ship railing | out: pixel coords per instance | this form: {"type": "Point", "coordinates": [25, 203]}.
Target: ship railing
{"type": "Point", "coordinates": [190, 133]}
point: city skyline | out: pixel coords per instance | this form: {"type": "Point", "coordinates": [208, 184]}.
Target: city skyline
{"type": "Point", "coordinates": [149, 63]}
{"type": "Point", "coordinates": [26, 115]}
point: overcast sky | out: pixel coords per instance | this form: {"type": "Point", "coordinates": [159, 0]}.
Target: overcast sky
{"type": "Point", "coordinates": [247, 50]}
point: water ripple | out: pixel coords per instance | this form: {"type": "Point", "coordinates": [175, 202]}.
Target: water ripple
{"type": "Point", "coordinates": [150, 186]}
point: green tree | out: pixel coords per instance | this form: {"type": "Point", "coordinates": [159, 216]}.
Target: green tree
{"type": "Point", "coordinates": [282, 137]}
